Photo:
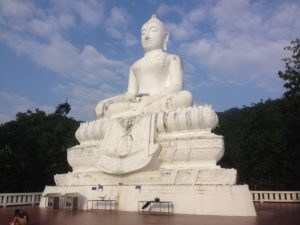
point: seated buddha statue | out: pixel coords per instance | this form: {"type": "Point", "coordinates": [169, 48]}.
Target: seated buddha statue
{"type": "Point", "coordinates": [155, 81]}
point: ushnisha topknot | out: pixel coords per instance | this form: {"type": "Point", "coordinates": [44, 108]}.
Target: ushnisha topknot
{"type": "Point", "coordinates": [154, 19]}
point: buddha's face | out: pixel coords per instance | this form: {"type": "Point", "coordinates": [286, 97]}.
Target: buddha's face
{"type": "Point", "coordinates": [152, 36]}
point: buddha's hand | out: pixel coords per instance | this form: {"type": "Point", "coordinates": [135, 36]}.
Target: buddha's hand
{"type": "Point", "coordinates": [128, 97]}
{"type": "Point", "coordinates": [134, 99]}
{"type": "Point", "coordinates": [102, 107]}
{"type": "Point", "coordinates": [145, 102]}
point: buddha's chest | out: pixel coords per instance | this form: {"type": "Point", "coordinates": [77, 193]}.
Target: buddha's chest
{"type": "Point", "coordinates": [154, 67]}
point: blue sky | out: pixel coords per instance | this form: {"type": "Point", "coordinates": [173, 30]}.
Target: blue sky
{"type": "Point", "coordinates": [81, 50]}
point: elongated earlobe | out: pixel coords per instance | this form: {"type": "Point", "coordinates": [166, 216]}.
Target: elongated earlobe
{"type": "Point", "coordinates": [166, 41]}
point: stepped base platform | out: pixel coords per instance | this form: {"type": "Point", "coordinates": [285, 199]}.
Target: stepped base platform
{"type": "Point", "coordinates": [225, 200]}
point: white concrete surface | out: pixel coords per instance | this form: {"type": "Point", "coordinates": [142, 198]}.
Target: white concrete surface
{"type": "Point", "coordinates": [223, 200]}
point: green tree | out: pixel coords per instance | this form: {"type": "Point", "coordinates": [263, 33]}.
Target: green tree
{"type": "Point", "coordinates": [291, 74]}
{"type": "Point", "coordinates": [261, 142]}
{"type": "Point", "coordinates": [63, 109]}
{"type": "Point", "coordinates": [33, 148]}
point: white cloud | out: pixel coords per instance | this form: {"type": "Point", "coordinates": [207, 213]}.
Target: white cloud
{"type": "Point", "coordinates": [13, 103]}
{"type": "Point", "coordinates": [164, 10]}
{"type": "Point", "coordinates": [231, 12]}
{"type": "Point", "coordinates": [49, 26]}
{"type": "Point", "coordinates": [117, 21]}
{"type": "Point", "coordinates": [15, 8]}
{"type": "Point", "coordinates": [197, 14]}
{"type": "Point", "coordinates": [130, 39]}
{"type": "Point", "coordinates": [243, 46]}
{"type": "Point", "coordinates": [90, 12]}
{"type": "Point", "coordinates": [53, 51]}
{"type": "Point", "coordinates": [83, 99]}
{"type": "Point", "coordinates": [19, 102]}
{"type": "Point", "coordinates": [4, 118]}
{"type": "Point", "coordinates": [28, 17]}
{"type": "Point", "coordinates": [185, 30]}
{"type": "Point", "coordinates": [38, 33]}
{"type": "Point", "coordinates": [284, 22]}
{"type": "Point", "coordinates": [47, 108]}
{"type": "Point", "coordinates": [117, 26]}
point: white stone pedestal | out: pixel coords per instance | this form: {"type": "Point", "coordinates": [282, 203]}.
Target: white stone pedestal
{"type": "Point", "coordinates": [225, 200]}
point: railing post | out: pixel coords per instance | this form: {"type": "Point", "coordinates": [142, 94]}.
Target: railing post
{"type": "Point", "coordinates": [261, 196]}
{"type": "Point", "coordinates": [4, 200]}
{"type": "Point", "coordinates": [32, 199]}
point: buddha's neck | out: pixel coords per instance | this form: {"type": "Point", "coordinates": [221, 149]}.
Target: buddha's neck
{"type": "Point", "coordinates": [153, 52]}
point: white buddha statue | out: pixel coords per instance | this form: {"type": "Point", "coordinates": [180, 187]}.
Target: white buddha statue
{"type": "Point", "coordinates": [155, 81]}
{"type": "Point", "coordinates": [153, 123]}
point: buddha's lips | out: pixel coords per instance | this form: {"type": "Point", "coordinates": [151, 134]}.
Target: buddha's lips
{"type": "Point", "coordinates": [147, 42]}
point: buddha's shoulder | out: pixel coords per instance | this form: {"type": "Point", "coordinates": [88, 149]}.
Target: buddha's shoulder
{"type": "Point", "coordinates": [173, 57]}
{"type": "Point", "coordinates": [166, 58]}
{"type": "Point", "coordinates": [137, 63]}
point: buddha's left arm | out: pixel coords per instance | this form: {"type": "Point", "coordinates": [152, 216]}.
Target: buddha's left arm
{"type": "Point", "coordinates": [175, 76]}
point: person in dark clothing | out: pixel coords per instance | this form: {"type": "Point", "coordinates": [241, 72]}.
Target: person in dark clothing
{"type": "Point", "coordinates": [21, 218]}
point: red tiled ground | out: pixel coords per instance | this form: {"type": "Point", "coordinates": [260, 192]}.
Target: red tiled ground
{"type": "Point", "coordinates": [268, 214]}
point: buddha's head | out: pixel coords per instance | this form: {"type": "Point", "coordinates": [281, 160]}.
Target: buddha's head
{"type": "Point", "coordinates": [154, 35]}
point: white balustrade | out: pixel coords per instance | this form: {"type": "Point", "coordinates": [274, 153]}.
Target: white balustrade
{"type": "Point", "coordinates": [276, 196]}
{"type": "Point", "coordinates": [14, 199]}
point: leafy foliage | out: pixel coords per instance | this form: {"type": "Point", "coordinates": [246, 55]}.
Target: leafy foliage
{"type": "Point", "coordinates": [63, 109]}
{"type": "Point", "coordinates": [262, 143]}
{"type": "Point", "coordinates": [292, 70]}
{"type": "Point", "coordinates": [33, 148]}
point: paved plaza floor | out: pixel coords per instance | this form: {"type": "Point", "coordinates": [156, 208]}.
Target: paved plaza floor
{"type": "Point", "coordinates": [267, 214]}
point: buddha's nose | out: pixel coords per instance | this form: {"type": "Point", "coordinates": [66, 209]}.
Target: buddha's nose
{"type": "Point", "coordinates": [147, 37]}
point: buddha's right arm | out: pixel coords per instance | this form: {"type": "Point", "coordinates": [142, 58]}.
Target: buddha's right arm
{"type": "Point", "coordinates": [132, 85]}
{"type": "Point", "coordinates": [104, 104]}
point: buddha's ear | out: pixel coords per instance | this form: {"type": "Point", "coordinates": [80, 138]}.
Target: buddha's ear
{"type": "Point", "coordinates": [165, 41]}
